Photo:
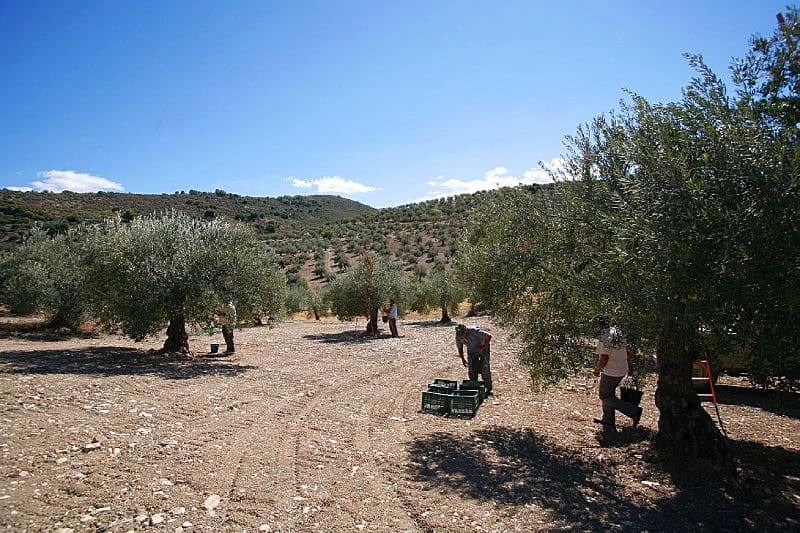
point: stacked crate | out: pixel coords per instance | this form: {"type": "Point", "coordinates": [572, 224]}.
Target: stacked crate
{"type": "Point", "coordinates": [445, 397]}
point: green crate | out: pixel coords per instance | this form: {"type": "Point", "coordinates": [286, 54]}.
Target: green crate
{"type": "Point", "coordinates": [436, 402]}
{"type": "Point", "coordinates": [476, 386]}
{"type": "Point", "coordinates": [464, 402]}
{"type": "Point", "coordinates": [446, 383]}
{"type": "Point", "coordinates": [433, 387]}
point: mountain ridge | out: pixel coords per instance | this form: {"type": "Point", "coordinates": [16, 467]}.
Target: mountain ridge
{"type": "Point", "coordinates": [56, 212]}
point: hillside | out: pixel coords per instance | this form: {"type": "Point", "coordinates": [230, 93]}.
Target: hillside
{"type": "Point", "coordinates": [315, 237]}
{"type": "Point", "coordinates": [58, 211]}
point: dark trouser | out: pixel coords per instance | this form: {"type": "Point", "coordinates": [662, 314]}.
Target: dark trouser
{"type": "Point", "coordinates": [393, 327]}
{"type": "Point", "coordinates": [611, 403]}
{"type": "Point", "coordinates": [479, 364]}
{"type": "Point", "coordinates": [227, 334]}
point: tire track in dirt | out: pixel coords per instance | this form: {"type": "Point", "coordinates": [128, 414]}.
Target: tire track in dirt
{"type": "Point", "coordinates": [405, 414]}
{"type": "Point", "coordinates": [399, 417]}
{"type": "Point", "coordinates": [327, 459]}
{"type": "Point", "coordinates": [244, 480]}
{"type": "Point", "coordinates": [269, 495]}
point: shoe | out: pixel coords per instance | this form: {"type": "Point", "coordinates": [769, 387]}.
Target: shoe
{"type": "Point", "coordinates": [637, 417]}
{"type": "Point", "coordinates": [489, 393]}
{"type": "Point", "coordinates": [601, 421]}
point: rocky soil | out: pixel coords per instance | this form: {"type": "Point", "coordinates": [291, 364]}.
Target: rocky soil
{"type": "Point", "coordinates": [312, 426]}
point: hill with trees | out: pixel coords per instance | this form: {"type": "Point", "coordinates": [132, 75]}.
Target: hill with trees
{"type": "Point", "coordinates": [56, 212]}
{"type": "Point", "coordinates": [315, 236]}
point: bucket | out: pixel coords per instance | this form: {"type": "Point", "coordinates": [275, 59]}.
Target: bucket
{"type": "Point", "coordinates": [214, 348]}
{"type": "Point", "coordinates": [630, 395]}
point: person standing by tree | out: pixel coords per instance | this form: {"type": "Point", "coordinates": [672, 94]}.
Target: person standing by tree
{"type": "Point", "coordinates": [478, 352]}
{"type": "Point", "coordinates": [393, 318]}
{"type": "Point", "coordinates": [612, 367]}
{"type": "Point", "coordinates": [228, 326]}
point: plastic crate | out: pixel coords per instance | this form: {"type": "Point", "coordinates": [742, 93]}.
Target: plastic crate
{"type": "Point", "coordinates": [464, 402]}
{"type": "Point", "coordinates": [436, 402]}
{"type": "Point", "coordinates": [433, 387]}
{"type": "Point", "coordinates": [476, 386]}
{"type": "Point", "coordinates": [446, 383]}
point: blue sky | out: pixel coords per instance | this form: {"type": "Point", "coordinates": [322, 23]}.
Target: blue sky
{"type": "Point", "coordinates": [385, 102]}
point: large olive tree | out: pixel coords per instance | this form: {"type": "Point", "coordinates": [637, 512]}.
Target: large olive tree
{"type": "Point", "coordinates": [675, 219]}
{"type": "Point", "coordinates": [170, 270]}
{"type": "Point", "coordinates": [365, 289]}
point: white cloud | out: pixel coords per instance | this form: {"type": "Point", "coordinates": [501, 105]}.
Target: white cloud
{"type": "Point", "coordinates": [20, 189]}
{"type": "Point", "coordinates": [301, 184]}
{"type": "Point", "coordinates": [333, 184]}
{"type": "Point", "coordinates": [542, 175]}
{"type": "Point", "coordinates": [69, 180]}
{"type": "Point", "coordinates": [495, 178]}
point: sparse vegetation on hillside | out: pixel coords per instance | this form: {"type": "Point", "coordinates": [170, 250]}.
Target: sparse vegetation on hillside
{"type": "Point", "coordinates": [56, 212]}
{"type": "Point", "coordinates": [316, 238]}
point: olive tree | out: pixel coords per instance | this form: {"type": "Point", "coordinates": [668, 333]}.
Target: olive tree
{"type": "Point", "coordinates": [440, 290]}
{"type": "Point", "coordinates": [301, 297]}
{"type": "Point", "coordinates": [170, 270]}
{"type": "Point", "coordinates": [672, 218]}
{"type": "Point", "coordinates": [365, 289]}
{"type": "Point", "coordinates": [45, 275]}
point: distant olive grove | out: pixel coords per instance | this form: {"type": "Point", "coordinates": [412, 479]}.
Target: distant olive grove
{"type": "Point", "coordinates": [142, 274]}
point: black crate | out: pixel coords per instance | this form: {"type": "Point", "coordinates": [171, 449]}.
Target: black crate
{"type": "Point", "coordinates": [433, 387]}
{"type": "Point", "coordinates": [446, 383]}
{"type": "Point", "coordinates": [476, 386]}
{"type": "Point", "coordinates": [436, 402]}
{"type": "Point", "coordinates": [464, 402]}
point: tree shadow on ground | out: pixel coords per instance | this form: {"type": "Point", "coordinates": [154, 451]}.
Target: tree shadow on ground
{"type": "Point", "coordinates": [347, 337]}
{"type": "Point", "coordinates": [430, 324]}
{"type": "Point", "coordinates": [624, 437]}
{"type": "Point", "coordinates": [115, 361]}
{"type": "Point", "coordinates": [763, 496]}
{"type": "Point", "coordinates": [45, 335]}
{"type": "Point", "coordinates": [775, 401]}
{"type": "Point", "coordinates": [516, 467]}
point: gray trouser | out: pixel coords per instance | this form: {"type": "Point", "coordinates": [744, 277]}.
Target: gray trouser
{"type": "Point", "coordinates": [479, 364]}
{"type": "Point", "coordinates": [611, 403]}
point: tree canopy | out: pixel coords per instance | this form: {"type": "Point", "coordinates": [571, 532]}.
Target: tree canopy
{"type": "Point", "coordinates": [170, 269]}
{"type": "Point", "coordinates": [673, 219]}
{"type": "Point", "coordinates": [365, 289]}
{"type": "Point", "coordinates": [44, 275]}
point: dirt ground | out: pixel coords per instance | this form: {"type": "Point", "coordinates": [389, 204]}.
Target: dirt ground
{"type": "Point", "coordinates": [312, 426]}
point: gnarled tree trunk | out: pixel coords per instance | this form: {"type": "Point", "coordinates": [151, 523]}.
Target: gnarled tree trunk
{"type": "Point", "coordinates": [177, 338]}
{"type": "Point", "coordinates": [445, 316]}
{"type": "Point", "coordinates": [64, 318]}
{"type": "Point", "coordinates": [685, 431]}
{"type": "Point", "coordinates": [372, 325]}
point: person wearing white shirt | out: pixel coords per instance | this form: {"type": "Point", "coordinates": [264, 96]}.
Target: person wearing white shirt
{"type": "Point", "coordinates": [393, 318]}
{"type": "Point", "coordinates": [612, 367]}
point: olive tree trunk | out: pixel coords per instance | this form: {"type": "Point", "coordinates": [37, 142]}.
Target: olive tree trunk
{"type": "Point", "coordinates": [372, 325]}
{"type": "Point", "coordinates": [177, 338]}
{"type": "Point", "coordinates": [685, 430]}
{"type": "Point", "coordinates": [64, 318]}
{"type": "Point", "coordinates": [445, 316]}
